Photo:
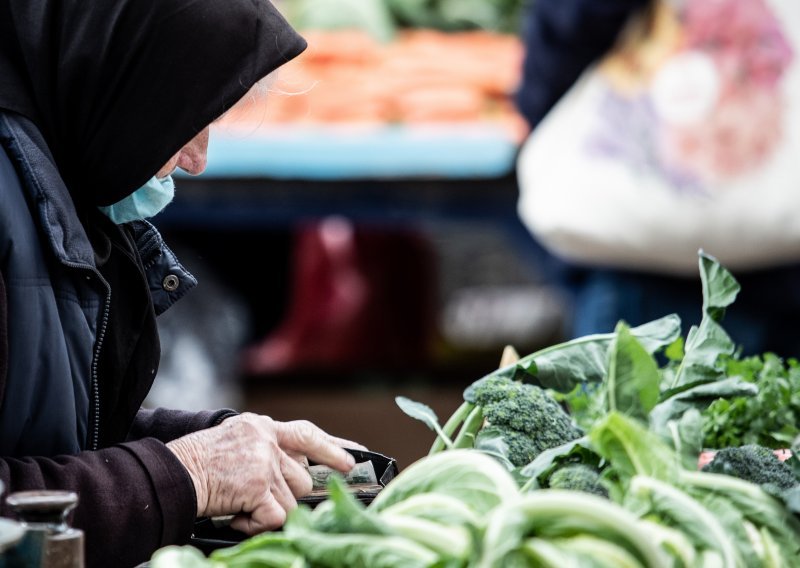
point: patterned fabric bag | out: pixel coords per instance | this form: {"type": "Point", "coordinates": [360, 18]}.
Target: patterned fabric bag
{"type": "Point", "coordinates": [685, 136]}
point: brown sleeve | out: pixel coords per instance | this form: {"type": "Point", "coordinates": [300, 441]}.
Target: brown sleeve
{"type": "Point", "coordinates": [167, 425]}
{"type": "Point", "coordinates": [133, 498]}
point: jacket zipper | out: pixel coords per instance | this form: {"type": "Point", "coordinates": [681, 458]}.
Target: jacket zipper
{"type": "Point", "coordinates": [95, 383]}
{"type": "Point", "coordinates": [94, 386]}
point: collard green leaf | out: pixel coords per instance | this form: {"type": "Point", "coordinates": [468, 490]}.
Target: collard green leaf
{"type": "Point", "coordinates": [687, 436]}
{"type": "Point", "coordinates": [545, 461]}
{"type": "Point", "coordinates": [424, 414]}
{"type": "Point", "coordinates": [720, 288]}
{"type": "Point", "coordinates": [375, 551]}
{"type": "Point", "coordinates": [632, 449]}
{"type": "Point", "coordinates": [270, 550]}
{"type": "Point", "coordinates": [585, 359]}
{"type": "Point", "coordinates": [490, 441]}
{"type": "Point", "coordinates": [706, 343]}
{"type": "Point", "coordinates": [632, 386]}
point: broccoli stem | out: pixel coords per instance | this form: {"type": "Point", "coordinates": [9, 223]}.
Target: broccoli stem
{"type": "Point", "coordinates": [472, 423]}
{"type": "Point", "coordinates": [450, 426]}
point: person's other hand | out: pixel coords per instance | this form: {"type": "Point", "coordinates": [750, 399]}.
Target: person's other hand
{"type": "Point", "coordinates": [255, 468]}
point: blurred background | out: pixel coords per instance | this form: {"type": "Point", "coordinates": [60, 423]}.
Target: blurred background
{"type": "Point", "coordinates": [355, 234]}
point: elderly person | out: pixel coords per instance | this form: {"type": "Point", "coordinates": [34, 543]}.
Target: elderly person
{"type": "Point", "coordinates": [99, 103]}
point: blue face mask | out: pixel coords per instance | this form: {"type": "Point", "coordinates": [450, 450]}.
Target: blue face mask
{"type": "Point", "coordinates": [145, 202]}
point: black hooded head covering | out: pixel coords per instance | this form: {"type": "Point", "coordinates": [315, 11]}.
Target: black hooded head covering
{"type": "Point", "coordinates": [117, 87]}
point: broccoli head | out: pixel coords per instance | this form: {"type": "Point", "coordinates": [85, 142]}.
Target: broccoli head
{"type": "Point", "coordinates": [578, 477]}
{"type": "Point", "coordinates": [529, 420]}
{"type": "Point", "coordinates": [755, 464]}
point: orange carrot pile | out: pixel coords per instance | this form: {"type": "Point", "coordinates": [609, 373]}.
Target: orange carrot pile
{"type": "Point", "coordinates": [423, 76]}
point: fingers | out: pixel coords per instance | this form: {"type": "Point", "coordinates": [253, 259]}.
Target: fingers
{"type": "Point", "coordinates": [320, 447]}
{"type": "Point", "coordinates": [295, 474]}
{"type": "Point", "coordinates": [269, 515]}
{"type": "Point", "coordinates": [349, 444]}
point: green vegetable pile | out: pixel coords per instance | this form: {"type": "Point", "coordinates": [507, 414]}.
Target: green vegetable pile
{"type": "Point", "coordinates": [514, 480]}
{"type": "Point", "coordinates": [771, 418]}
{"type": "Point", "coordinates": [383, 18]}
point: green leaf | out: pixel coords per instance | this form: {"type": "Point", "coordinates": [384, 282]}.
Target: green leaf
{"type": "Point", "coordinates": [674, 507]}
{"type": "Point", "coordinates": [270, 550]}
{"type": "Point", "coordinates": [490, 441]}
{"type": "Point", "coordinates": [699, 397]}
{"type": "Point", "coordinates": [554, 514]}
{"type": "Point", "coordinates": [720, 288]}
{"type": "Point", "coordinates": [585, 359]}
{"type": "Point", "coordinates": [425, 414]}
{"type": "Point", "coordinates": [687, 436]}
{"type": "Point", "coordinates": [375, 551]}
{"type": "Point", "coordinates": [545, 461]}
{"type": "Point", "coordinates": [370, 16]}
{"type": "Point", "coordinates": [474, 478]}
{"type": "Point", "coordinates": [633, 377]}
{"type": "Point", "coordinates": [632, 449]}
{"type": "Point", "coordinates": [180, 557]}
{"type": "Point", "coordinates": [706, 343]}
{"type": "Point", "coordinates": [342, 513]}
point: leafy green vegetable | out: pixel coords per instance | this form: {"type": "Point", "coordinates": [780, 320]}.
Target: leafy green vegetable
{"type": "Point", "coordinates": [633, 449]}
{"type": "Point", "coordinates": [347, 550]}
{"type": "Point", "coordinates": [674, 507]}
{"type": "Point", "coordinates": [452, 15]}
{"type": "Point", "coordinates": [769, 417]}
{"type": "Point", "coordinates": [554, 513]}
{"type": "Point", "coordinates": [708, 342]}
{"type": "Point", "coordinates": [436, 507]}
{"type": "Point", "coordinates": [371, 16]}
{"type": "Point", "coordinates": [423, 413]}
{"type": "Point", "coordinates": [581, 550]}
{"type": "Point", "coordinates": [180, 557]}
{"type": "Point", "coordinates": [477, 480]}
{"type": "Point", "coordinates": [633, 377]}
{"type": "Point", "coordinates": [538, 470]}
{"type": "Point", "coordinates": [268, 550]}
{"type": "Point", "coordinates": [585, 360]}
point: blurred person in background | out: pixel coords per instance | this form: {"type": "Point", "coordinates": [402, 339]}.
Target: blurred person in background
{"type": "Point", "coordinates": [659, 128]}
{"type": "Point", "coordinates": [99, 104]}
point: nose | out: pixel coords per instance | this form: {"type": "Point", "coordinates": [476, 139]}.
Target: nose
{"type": "Point", "coordinates": [193, 157]}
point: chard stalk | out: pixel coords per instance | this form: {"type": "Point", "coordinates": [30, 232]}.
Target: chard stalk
{"type": "Point", "coordinates": [676, 501]}
{"type": "Point", "coordinates": [554, 513]}
{"type": "Point", "coordinates": [450, 426]}
{"type": "Point", "coordinates": [447, 541]}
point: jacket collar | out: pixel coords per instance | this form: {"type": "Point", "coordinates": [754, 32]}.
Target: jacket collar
{"type": "Point", "coordinates": [47, 192]}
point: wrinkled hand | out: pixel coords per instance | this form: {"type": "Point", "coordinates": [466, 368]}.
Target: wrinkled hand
{"type": "Point", "coordinates": [253, 467]}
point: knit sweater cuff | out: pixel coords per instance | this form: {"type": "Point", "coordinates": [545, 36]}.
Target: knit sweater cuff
{"type": "Point", "coordinates": [172, 486]}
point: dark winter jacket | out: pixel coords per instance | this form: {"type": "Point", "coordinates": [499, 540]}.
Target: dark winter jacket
{"type": "Point", "coordinates": [52, 317]}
